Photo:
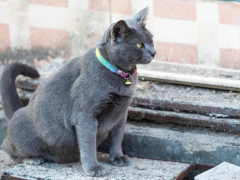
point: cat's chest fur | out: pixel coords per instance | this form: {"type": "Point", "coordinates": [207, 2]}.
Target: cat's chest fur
{"type": "Point", "coordinates": [102, 93]}
{"type": "Point", "coordinates": [112, 111]}
{"type": "Point", "coordinates": [112, 104]}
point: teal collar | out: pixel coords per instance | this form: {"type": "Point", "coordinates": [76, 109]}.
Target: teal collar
{"type": "Point", "coordinates": [114, 69]}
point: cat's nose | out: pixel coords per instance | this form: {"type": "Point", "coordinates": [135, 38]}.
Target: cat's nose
{"type": "Point", "coordinates": [153, 53]}
{"type": "Point", "coordinates": [151, 50]}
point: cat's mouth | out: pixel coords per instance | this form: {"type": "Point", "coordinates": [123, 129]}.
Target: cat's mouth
{"type": "Point", "coordinates": [146, 60]}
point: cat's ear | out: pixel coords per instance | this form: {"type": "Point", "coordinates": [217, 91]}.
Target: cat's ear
{"type": "Point", "coordinates": [118, 30]}
{"type": "Point", "coordinates": [141, 16]}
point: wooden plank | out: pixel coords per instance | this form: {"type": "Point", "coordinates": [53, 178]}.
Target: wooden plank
{"type": "Point", "coordinates": [200, 81]}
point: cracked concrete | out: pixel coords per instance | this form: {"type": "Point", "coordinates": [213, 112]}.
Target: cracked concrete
{"type": "Point", "coordinates": [141, 169]}
{"type": "Point", "coordinates": [181, 143]}
{"type": "Point", "coordinates": [177, 143]}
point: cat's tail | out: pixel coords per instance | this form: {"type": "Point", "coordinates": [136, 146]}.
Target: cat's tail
{"type": "Point", "coordinates": [10, 98]}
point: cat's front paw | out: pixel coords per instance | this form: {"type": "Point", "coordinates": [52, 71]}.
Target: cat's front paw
{"type": "Point", "coordinates": [120, 161]}
{"type": "Point", "coordinates": [95, 171]}
{"type": "Point", "coordinates": [33, 161]}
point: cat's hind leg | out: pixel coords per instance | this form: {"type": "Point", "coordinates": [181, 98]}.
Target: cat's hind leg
{"type": "Point", "coordinates": [10, 149]}
{"type": "Point", "coordinates": [22, 143]}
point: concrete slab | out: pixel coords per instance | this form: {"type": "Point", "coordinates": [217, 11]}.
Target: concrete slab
{"type": "Point", "coordinates": [141, 169]}
{"type": "Point", "coordinates": [224, 171]}
{"type": "Point", "coordinates": [181, 143]}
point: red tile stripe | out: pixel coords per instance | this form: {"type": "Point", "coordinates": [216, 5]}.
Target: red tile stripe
{"type": "Point", "coordinates": [229, 58]}
{"type": "Point", "coordinates": [121, 7]}
{"type": "Point", "coordinates": [179, 53]}
{"type": "Point", "coordinates": [61, 3]}
{"type": "Point", "coordinates": [49, 38]}
{"type": "Point", "coordinates": [229, 13]}
{"type": "Point", "coordinates": [99, 5]}
{"type": "Point", "coordinates": [4, 36]}
{"type": "Point", "coordinates": [185, 10]}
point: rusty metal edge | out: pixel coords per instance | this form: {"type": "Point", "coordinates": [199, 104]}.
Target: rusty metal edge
{"type": "Point", "coordinates": [182, 175]}
{"type": "Point", "coordinates": [185, 173]}
{"type": "Point", "coordinates": [202, 167]}
{"type": "Point", "coordinates": [9, 177]}
{"type": "Point", "coordinates": [160, 117]}
{"type": "Point", "coordinates": [182, 106]}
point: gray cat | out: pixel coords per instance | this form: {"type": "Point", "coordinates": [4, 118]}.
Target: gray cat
{"type": "Point", "coordinates": [82, 104]}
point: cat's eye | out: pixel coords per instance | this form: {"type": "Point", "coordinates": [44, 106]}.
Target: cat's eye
{"type": "Point", "coordinates": [140, 45]}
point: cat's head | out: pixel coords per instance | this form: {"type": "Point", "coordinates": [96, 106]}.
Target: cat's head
{"type": "Point", "coordinates": [128, 42]}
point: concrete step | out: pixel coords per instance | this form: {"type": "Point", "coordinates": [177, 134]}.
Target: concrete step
{"type": "Point", "coordinates": [211, 102]}
{"type": "Point", "coordinates": [141, 169]}
{"type": "Point", "coordinates": [140, 111]}
{"type": "Point", "coordinates": [194, 145]}
{"type": "Point", "coordinates": [185, 105]}
{"type": "Point", "coordinates": [164, 96]}
{"type": "Point", "coordinates": [183, 118]}
{"type": "Point", "coordinates": [180, 143]}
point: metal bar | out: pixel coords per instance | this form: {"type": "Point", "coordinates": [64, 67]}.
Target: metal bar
{"type": "Point", "coordinates": [202, 167]}
{"type": "Point", "coordinates": [185, 173]}
{"type": "Point", "coordinates": [230, 125]}
{"type": "Point", "coordinates": [9, 177]}
{"type": "Point", "coordinates": [183, 106]}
